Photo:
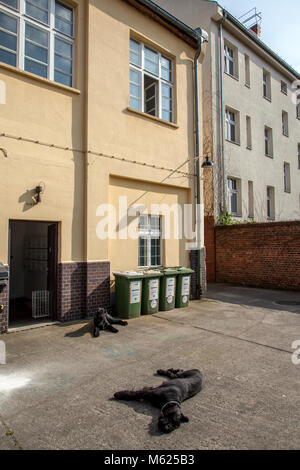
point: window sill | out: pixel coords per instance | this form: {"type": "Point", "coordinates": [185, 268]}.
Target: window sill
{"type": "Point", "coordinates": [288, 192]}
{"type": "Point", "coordinates": [152, 118]}
{"type": "Point", "coordinates": [45, 81]}
{"type": "Point", "coordinates": [247, 86]}
{"type": "Point", "coordinates": [233, 142]}
{"type": "Point", "coordinates": [267, 99]}
{"type": "Point", "coordinates": [248, 148]}
{"type": "Point", "coordinates": [269, 156]}
{"type": "Point", "coordinates": [285, 135]}
{"type": "Point", "coordinates": [232, 76]}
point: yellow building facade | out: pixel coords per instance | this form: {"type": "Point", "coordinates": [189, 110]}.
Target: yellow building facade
{"type": "Point", "coordinates": [97, 104]}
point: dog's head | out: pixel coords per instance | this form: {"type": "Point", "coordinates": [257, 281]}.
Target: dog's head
{"type": "Point", "coordinates": [100, 312]}
{"type": "Point", "coordinates": [171, 418]}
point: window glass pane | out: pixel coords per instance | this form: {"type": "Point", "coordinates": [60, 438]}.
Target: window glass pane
{"type": "Point", "coordinates": [64, 19]}
{"type": "Point", "coordinates": [135, 90]}
{"type": "Point", "coordinates": [11, 3]}
{"type": "Point", "coordinates": [63, 65]}
{"type": "Point", "coordinates": [63, 48]}
{"type": "Point", "coordinates": [36, 68]}
{"type": "Point", "coordinates": [155, 222]}
{"type": "Point", "coordinates": [167, 103]}
{"type": "Point", "coordinates": [8, 57]}
{"type": "Point", "coordinates": [62, 78]}
{"type": "Point", "coordinates": [8, 41]}
{"type": "Point", "coordinates": [36, 35]}
{"type": "Point", "coordinates": [8, 23]}
{"type": "Point", "coordinates": [142, 251]}
{"type": "Point", "coordinates": [150, 95]}
{"type": "Point", "coordinates": [36, 52]}
{"type": "Point", "coordinates": [155, 251]}
{"type": "Point", "coordinates": [135, 53]}
{"type": "Point", "coordinates": [166, 69]}
{"type": "Point", "coordinates": [40, 14]}
{"type": "Point", "coordinates": [151, 61]}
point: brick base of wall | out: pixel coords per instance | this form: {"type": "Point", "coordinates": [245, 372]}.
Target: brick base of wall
{"type": "Point", "coordinates": [259, 255]}
{"type": "Point", "coordinates": [4, 311]}
{"type": "Point", "coordinates": [82, 288]}
{"type": "Point", "coordinates": [209, 239]}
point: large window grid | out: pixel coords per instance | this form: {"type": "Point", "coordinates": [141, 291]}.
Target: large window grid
{"type": "Point", "coordinates": [150, 241]}
{"type": "Point", "coordinates": [151, 81]}
{"type": "Point", "coordinates": [38, 36]}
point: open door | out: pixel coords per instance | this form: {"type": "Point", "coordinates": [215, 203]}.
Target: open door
{"type": "Point", "coordinates": [52, 268]}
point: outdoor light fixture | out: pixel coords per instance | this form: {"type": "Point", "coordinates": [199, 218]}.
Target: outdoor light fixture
{"type": "Point", "coordinates": [38, 191]}
{"type": "Point", "coordinates": [208, 163]}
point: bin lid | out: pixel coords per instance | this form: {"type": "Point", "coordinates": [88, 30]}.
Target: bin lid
{"type": "Point", "coordinates": [153, 273]}
{"type": "Point", "coordinates": [129, 274]}
{"type": "Point", "coordinates": [183, 270]}
{"type": "Point", "coordinates": [169, 271]}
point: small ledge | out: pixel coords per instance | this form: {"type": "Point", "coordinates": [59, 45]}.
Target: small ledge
{"type": "Point", "coordinates": [45, 81]}
{"type": "Point", "coordinates": [232, 142]}
{"type": "Point", "coordinates": [232, 76]}
{"type": "Point", "coordinates": [267, 99]}
{"type": "Point", "coordinates": [152, 118]}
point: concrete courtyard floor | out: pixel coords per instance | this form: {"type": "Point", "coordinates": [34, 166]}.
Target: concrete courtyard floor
{"type": "Point", "coordinates": [56, 389]}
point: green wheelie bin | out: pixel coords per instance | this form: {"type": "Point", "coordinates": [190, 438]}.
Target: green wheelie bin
{"type": "Point", "coordinates": [167, 295]}
{"type": "Point", "coordinates": [151, 287]}
{"type": "Point", "coordinates": [128, 289]}
{"type": "Point", "coordinates": [183, 290]}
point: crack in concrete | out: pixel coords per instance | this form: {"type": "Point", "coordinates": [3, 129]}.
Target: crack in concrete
{"type": "Point", "coordinates": [227, 335]}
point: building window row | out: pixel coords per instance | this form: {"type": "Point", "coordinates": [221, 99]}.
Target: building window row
{"type": "Point", "coordinates": [38, 36]}
{"type": "Point", "coordinates": [231, 65]}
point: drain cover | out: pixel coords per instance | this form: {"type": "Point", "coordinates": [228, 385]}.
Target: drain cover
{"type": "Point", "coordinates": [288, 303]}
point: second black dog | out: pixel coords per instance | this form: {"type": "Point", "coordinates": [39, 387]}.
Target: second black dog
{"type": "Point", "coordinates": [168, 396]}
{"type": "Point", "coordinates": [104, 321]}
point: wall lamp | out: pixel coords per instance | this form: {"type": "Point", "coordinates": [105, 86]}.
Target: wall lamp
{"type": "Point", "coordinates": [208, 163]}
{"type": "Point", "coordinates": [38, 191]}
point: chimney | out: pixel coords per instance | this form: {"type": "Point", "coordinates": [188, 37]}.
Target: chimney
{"type": "Point", "coordinates": [256, 29]}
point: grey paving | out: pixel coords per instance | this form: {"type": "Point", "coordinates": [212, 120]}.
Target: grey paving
{"type": "Point", "coordinates": [58, 382]}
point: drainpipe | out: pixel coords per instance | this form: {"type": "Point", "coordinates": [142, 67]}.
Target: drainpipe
{"type": "Point", "coordinates": [197, 131]}
{"type": "Point", "coordinates": [224, 204]}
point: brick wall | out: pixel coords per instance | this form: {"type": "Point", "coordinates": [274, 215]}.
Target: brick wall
{"type": "Point", "coordinates": [209, 241]}
{"type": "Point", "coordinates": [259, 255]}
{"type": "Point", "coordinates": [82, 288]}
{"type": "Point", "coordinates": [4, 312]}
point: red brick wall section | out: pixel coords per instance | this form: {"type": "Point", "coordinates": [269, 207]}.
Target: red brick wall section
{"type": "Point", "coordinates": [82, 288]}
{"type": "Point", "coordinates": [4, 312]}
{"type": "Point", "coordinates": [259, 255]}
{"type": "Point", "coordinates": [209, 241]}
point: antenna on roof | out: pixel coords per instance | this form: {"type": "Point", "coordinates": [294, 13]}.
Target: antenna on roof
{"type": "Point", "coordinates": [252, 20]}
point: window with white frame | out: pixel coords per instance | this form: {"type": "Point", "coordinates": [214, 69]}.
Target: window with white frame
{"type": "Point", "coordinates": [232, 125]}
{"type": "Point", "coordinates": [287, 177]}
{"type": "Point", "coordinates": [299, 156]}
{"type": "Point", "coordinates": [150, 241]}
{"type": "Point", "coordinates": [38, 36]}
{"type": "Point", "coordinates": [285, 123]}
{"type": "Point", "coordinates": [270, 203]}
{"type": "Point", "coordinates": [247, 70]}
{"type": "Point", "coordinates": [230, 58]}
{"type": "Point", "coordinates": [248, 132]}
{"type": "Point", "coordinates": [266, 85]}
{"type": "Point", "coordinates": [268, 142]}
{"type": "Point", "coordinates": [284, 87]}
{"type": "Point", "coordinates": [233, 196]}
{"type": "Point", "coordinates": [151, 81]}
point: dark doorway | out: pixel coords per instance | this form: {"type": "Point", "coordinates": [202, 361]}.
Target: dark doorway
{"type": "Point", "coordinates": [33, 272]}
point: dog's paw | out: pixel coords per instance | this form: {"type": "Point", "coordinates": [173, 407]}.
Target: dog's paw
{"type": "Point", "coordinates": [125, 323]}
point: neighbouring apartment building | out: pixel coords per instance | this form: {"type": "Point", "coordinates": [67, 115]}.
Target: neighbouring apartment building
{"type": "Point", "coordinates": [251, 120]}
{"type": "Point", "coordinates": [96, 111]}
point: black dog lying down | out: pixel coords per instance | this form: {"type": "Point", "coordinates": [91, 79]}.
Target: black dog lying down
{"type": "Point", "coordinates": [104, 321]}
{"type": "Point", "coordinates": [169, 395]}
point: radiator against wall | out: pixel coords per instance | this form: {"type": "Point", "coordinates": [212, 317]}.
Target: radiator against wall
{"type": "Point", "coordinates": [40, 304]}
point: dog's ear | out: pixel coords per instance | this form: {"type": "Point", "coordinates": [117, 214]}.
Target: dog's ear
{"type": "Point", "coordinates": [184, 419]}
